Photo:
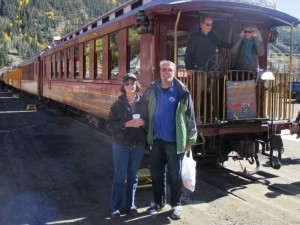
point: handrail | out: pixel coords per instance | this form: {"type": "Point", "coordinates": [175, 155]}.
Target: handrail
{"type": "Point", "coordinates": [208, 91]}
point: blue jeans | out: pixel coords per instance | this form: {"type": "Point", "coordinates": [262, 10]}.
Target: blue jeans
{"type": "Point", "coordinates": [164, 155]}
{"type": "Point", "coordinates": [126, 163]}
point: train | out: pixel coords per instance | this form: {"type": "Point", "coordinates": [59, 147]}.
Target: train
{"type": "Point", "coordinates": [82, 71]}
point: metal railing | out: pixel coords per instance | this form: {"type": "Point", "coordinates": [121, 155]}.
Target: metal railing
{"type": "Point", "coordinates": [208, 91]}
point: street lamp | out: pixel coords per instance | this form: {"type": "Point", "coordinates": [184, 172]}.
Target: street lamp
{"type": "Point", "coordinates": [274, 142]}
{"type": "Point", "coordinates": [267, 76]}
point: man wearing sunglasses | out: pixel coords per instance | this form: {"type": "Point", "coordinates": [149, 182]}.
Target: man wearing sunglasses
{"type": "Point", "coordinates": [171, 132]}
{"type": "Point", "coordinates": [201, 50]}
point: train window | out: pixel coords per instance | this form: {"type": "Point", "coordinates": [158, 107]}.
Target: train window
{"type": "Point", "coordinates": [114, 54]}
{"type": "Point", "coordinates": [76, 61]}
{"type": "Point", "coordinates": [133, 35]}
{"type": "Point", "coordinates": [136, 4]}
{"type": "Point", "coordinates": [86, 60]}
{"type": "Point", "coordinates": [180, 57]}
{"type": "Point", "coordinates": [98, 58]}
{"type": "Point", "coordinates": [134, 51]}
{"type": "Point", "coordinates": [182, 40]}
{"type": "Point", "coordinates": [119, 13]}
{"type": "Point", "coordinates": [56, 65]}
{"type": "Point", "coordinates": [36, 72]}
{"type": "Point", "coordinates": [106, 19]}
{"type": "Point", "coordinates": [53, 66]}
{"type": "Point", "coordinates": [46, 67]}
{"type": "Point", "coordinates": [62, 68]}
{"type": "Point", "coordinates": [68, 62]}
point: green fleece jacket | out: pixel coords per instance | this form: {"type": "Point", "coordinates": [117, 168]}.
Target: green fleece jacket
{"type": "Point", "coordinates": [186, 131]}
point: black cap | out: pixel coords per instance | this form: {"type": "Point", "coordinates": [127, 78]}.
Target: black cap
{"type": "Point", "coordinates": [128, 76]}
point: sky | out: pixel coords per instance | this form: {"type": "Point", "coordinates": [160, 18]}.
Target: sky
{"type": "Point", "coordinates": [289, 6]}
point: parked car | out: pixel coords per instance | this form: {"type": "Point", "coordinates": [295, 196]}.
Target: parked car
{"type": "Point", "coordinates": [295, 89]}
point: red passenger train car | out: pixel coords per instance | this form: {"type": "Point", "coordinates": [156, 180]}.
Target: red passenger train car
{"type": "Point", "coordinates": [84, 69]}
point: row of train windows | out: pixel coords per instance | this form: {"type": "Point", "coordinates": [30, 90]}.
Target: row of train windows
{"type": "Point", "coordinates": [58, 69]}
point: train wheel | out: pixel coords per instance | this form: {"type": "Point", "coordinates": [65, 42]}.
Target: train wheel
{"type": "Point", "coordinates": [244, 165]}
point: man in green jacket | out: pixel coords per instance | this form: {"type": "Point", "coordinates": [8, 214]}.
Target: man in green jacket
{"type": "Point", "coordinates": [171, 132]}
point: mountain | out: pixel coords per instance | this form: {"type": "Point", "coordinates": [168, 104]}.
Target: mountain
{"type": "Point", "coordinates": [26, 26]}
{"type": "Point", "coordinates": [279, 52]}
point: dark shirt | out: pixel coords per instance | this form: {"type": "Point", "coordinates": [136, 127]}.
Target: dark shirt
{"type": "Point", "coordinates": [121, 112]}
{"type": "Point", "coordinates": [201, 51]}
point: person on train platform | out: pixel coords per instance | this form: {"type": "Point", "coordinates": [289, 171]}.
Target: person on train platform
{"type": "Point", "coordinates": [202, 47]}
{"type": "Point", "coordinates": [171, 132]}
{"type": "Point", "coordinates": [126, 122]}
{"type": "Point", "coordinates": [296, 126]}
{"type": "Point", "coordinates": [247, 49]}
{"type": "Point", "coordinates": [298, 117]}
{"type": "Point", "coordinates": [2, 83]}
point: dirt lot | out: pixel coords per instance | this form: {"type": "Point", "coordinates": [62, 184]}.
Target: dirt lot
{"type": "Point", "coordinates": [55, 170]}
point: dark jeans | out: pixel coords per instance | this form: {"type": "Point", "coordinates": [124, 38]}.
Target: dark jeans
{"type": "Point", "coordinates": [126, 165]}
{"type": "Point", "coordinates": [164, 156]}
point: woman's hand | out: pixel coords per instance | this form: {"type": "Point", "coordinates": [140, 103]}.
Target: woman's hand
{"type": "Point", "coordinates": [242, 34]}
{"type": "Point", "coordinates": [135, 123]}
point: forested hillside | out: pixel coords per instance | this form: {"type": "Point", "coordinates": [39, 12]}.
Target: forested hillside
{"type": "Point", "coordinates": [278, 53]}
{"type": "Point", "coordinates": [26, 26]}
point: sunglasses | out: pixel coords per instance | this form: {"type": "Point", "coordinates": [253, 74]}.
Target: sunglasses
{"type": "Point", "coordinates": [130, 83]}
{"type": "Point", "coordinates": [208, 24]}
{"type": "Point", "coordinates": [247, 31]}
{"type": "Point", "coordinates": [165, 70]}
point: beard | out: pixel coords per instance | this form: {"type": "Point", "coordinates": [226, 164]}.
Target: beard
{"type": "Point", "coordinates": [167, 79]}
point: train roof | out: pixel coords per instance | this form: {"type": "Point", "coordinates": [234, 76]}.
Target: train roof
{"type": "Point", "coordinates": [34, 57]}
{"type": "Point", "coordinates": [257, 9]}
{"type": "Point", "coordinates": [242, 8]}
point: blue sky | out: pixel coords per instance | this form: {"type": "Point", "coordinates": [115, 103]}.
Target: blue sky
{"type": "Point", "coordinates": [289, 6]}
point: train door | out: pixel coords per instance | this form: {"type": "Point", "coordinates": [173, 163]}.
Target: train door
{"type": "Point", "coordinates": [174, 37]}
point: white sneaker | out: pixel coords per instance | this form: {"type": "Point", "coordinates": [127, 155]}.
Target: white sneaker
{"type": "Point", "coordinates": [177, 212]}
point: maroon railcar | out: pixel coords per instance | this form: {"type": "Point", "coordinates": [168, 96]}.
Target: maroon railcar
{"type": "Point", "coordinates": [84, 69]}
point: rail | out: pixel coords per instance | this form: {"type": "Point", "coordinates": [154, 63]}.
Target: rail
{"type": "Point", "coordinates": [210, 96]}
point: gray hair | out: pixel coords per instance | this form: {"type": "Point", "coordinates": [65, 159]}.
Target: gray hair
{"type": "Point", "coordinates": [255, 30]}
{"type": "Point", "coordinates": [169, 62]}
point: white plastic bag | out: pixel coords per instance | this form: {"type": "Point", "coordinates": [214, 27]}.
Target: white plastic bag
{"type": "Point", "coordinates": [188, 171]}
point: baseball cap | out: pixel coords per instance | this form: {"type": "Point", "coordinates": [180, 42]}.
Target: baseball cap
{"type": "Point", "coordinates": [128, 76]}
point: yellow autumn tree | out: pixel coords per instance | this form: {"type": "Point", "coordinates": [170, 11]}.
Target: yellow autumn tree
{"type": "Point", "coordinates": [51, 15]}
{"type": "Point", "coordinates": [6, 37]}
{"type": "Point", "coordinates": [23, 2]}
